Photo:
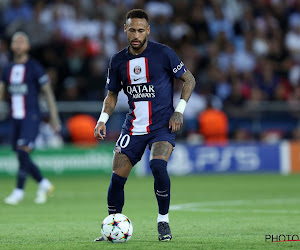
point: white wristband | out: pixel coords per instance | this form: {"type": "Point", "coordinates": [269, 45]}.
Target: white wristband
{"type": "Point", "coordinates": [103, 117]}
{"type": "Point", "coordinates": [181, 106]}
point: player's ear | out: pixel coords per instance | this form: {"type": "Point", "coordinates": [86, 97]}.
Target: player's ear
{"type": "Point", "coordinates": [125, 28]}
{"type": "Point", "coordinates": [148, 30]}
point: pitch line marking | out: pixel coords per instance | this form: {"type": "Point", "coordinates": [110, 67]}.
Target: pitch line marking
{"type": "Point", "coordinates": [205, 206]}
{"type": "Point", "coordinates": [221, 210]}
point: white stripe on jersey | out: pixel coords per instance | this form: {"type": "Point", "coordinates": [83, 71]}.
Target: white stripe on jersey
{"type": "Point", "coordinates": [142, 118]}
{"type": "Point", "coordinates": [137, 72]}
{"type": "Point", "coordinates": [17, 75]}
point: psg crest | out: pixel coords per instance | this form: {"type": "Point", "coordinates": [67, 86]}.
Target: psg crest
{"type": "Point", "coordinates": [137, 69]}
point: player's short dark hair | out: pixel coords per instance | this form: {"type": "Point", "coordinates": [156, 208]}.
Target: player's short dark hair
{"type": "Point", "coordinates": [21, 33]}
{"type": "Point", "coordinates": [137, 13]}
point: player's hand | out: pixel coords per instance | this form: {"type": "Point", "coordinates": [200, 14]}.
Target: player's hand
{"type": "Point", "coordinates": [56, 125]}
{"type": "Point", "coordinates": [100, 127]}
{"type": "Point", "coordinates": [176, 121]}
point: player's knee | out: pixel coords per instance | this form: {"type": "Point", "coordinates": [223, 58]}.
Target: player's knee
{"type": "Point", "coordinates": [122, 165]}
{"type": "Point", "coordinates": [24, 148]}
{"type": "Point", "coordinates": [158, 167]}
{"type": "Point", "coordinates": [161, 150]}
{"type": "Point", "coordinates": [22, 153]}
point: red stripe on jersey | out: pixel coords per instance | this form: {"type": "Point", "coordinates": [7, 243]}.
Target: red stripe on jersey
{"type": "Point", "coordinates": [147, 69]}
{"type": "Point", "coordinates": [128, 73]}
{"type": "Point", "coordinates": [132, 119]}
{"type": "Point", "coordinates": [150, 116]}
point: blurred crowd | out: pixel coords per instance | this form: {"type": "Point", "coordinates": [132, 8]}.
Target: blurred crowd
{"type": "Point", "coordinates": [238, 50]}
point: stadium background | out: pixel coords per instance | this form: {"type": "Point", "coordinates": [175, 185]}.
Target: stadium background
{"type": "Point", "coordinates": [244, 53]}
{"type": "Point", "coordinates": [245, 57]}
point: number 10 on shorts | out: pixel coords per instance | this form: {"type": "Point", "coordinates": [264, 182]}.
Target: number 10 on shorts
{"type": "Point", "coordinates": [123, 140]}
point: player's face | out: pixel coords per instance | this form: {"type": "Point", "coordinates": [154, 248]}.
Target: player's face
{"type": "Point", "coordinates": [20, 45]}
{"type": "Point", "coordinates": [137, 30]}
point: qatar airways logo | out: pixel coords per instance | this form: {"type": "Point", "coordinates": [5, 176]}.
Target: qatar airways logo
{"type": "Point", "coordinates": [138, 91]}
{"type": "Point", "coordinates": [18, 89]}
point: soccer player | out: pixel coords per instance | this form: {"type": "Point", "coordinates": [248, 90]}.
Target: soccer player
{"type": "Point", "coordinates": [145, 70]}
{"type": "Point", "coordinates": [24, 78]}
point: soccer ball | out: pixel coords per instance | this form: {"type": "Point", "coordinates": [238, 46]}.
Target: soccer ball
{"type": "Point", "coordinates": [116, 228]}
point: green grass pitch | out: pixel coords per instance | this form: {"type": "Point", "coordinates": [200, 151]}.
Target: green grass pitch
{"type": "Point", "coordinates": [208, 212]}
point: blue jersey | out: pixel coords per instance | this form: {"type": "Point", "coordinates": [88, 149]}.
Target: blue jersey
{"type": "Point", "coordinates": [147, 80]}
{"type": "Point", "coordinates": [23, 82]}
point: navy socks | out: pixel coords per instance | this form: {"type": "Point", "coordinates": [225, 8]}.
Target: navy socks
{"type": "Point", "coordinates": [161, 184]}
{"type": "Point", "coordinates": [26, 166]}
{"type": "Point", "coordinates": [115, 196]}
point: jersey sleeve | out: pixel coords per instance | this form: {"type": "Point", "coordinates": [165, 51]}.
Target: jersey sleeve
{"type": "Point", "coordinates": [41, 75]}
{"type": "Point", "coordinates": [176, 65]}
{"type": "Point", "coordinates": [113, 80]}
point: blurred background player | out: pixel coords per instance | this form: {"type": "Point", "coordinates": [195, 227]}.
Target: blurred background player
{"type": "Point", "coordinates": [146, 71]}
{"type": "Point", "coordinates": [24, 78]}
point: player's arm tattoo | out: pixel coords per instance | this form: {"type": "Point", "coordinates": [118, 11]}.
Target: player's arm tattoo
{"type": "Point", "coordinates": [176, 120]}
{"type": "Point", "coordinates": [110, 102]}
{"type": "Point", "coordinates": [161, 150]}
{"type": "Point", "coordinates": [188, 86]}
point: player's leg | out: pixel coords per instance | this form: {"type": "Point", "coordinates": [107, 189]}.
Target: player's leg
{"type": "Point", "coordinates": [26, 166]}
{"type": "Point", "coordinates": [33, 169]}
{"type": "Point", "coordinates": [127, 152]}
{"type": "Point", "coordinates": [18, 193]}
{"type": "Point", "coordinates": [30, 131]}
{"type": "Point", "coordinates": [29, 167]}
{"type": "Point", "coordinates": [26, 163]}
{"type": "Point", "coordinates": [159, 156]}
{"type": "Point", "coordinates": [121, 170]}
{"type": "Point", "coordinates": [25, 133]}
